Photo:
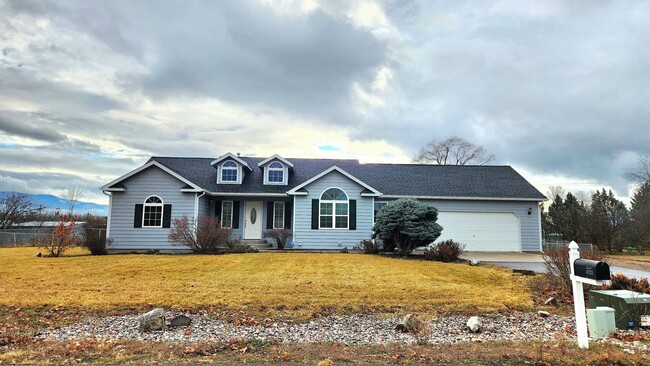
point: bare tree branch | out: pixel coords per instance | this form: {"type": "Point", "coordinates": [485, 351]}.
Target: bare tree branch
{"type": "Point", "coordinates": [15, 205]}
{"type": "Point", "coordinates": [73, 197]}
{"type": "Point", "coordinates": [642, 172]}
{"type": "Point", "coordinates": [453, 151]}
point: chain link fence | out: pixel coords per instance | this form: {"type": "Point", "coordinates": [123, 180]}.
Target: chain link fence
{"type": "Point", "coordinates": [583, 247]}
{"type": "Point", "coordinates": [11, 238]}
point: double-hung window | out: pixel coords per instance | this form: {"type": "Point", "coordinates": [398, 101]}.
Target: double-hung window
{"type": "Point", "coordinates": [278, 215]}
{"type": "Point", "coordinates": [152, 214]}
{"type": "Point", "coordinates": [226, 214]}
{"type": "Point", "coordinates": [229, 171]}
{"type": "Point", "coordinates": [334, 209]}
{"type": "Point", "coordinates": [378, 207]}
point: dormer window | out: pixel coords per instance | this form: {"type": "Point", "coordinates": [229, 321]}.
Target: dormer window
{"type": "Point", "coordinates": [229, 172]}
{"type": "Point", "coordinates": [276, 172]}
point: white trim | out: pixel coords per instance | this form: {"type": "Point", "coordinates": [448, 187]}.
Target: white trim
{"type": "Point", "coordinates": [188, 190]}
{"type": "Point", "coordinates": [293, 220]}
{"type": "Point", "coordinates": [334, 215]}
{"type": "Point", "coordinates": [162, 211]}
{"type": "Point", "coordinates": [298, 194]}
{"type": "Point", "coordinates": [232, 156]}
{"type": "Point", "coordinates": [243, 194]}
{"type": "Point", "coordinates": [143, 167]}
{"type": "Point", "coordinates": [114, 189]}
{"type": "Point", "coordinates": [350, 176]}
{"type": "Point", "coordinates": [196, 206]}
{"type": "Point", "coordinates": [285, 174]}
{"type": "Point", "coordinates": [464, 198]}
{"type": "Point", "coordinates": [232, 211]}
{"type": "Point", "coordinates": [284, 212]}
{"type": "Point", "coordinates": [539, 222]}
{"type": "Point", "coordinates": [108, 218]}
{"type": "Point", "coordinates": [275, 156]}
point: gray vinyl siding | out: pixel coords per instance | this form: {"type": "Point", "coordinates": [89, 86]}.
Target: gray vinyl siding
{"type": "Point", "coordinates": [306, 238]}
{"type": "Point", "coordinates": [530, 230]}
{"type": "Point", "coordinates": [204, 206]}
{"type": "Point", "coordinates": [151, 181]}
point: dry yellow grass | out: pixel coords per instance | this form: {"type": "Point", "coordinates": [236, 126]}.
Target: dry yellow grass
{"type": "Point", "coordinates": [296, 282]}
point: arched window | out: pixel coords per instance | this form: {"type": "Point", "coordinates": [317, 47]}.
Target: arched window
{"type": "Point", "coordinates": [229, 171]}
{"type": "Point", "coordinates": [152, 213]}
{"type": "Point", "coordinates": [334, 209]}
{"type": "Point", "coordinates": [275, 172]}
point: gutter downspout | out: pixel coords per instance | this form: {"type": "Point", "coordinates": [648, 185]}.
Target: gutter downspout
{"type": "Point", "coordinates": [108, 218]}
{"type": "Point", "coordinates": [196, 205]}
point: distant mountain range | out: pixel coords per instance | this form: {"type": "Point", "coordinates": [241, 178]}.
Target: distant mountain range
{"type": "Point", "coordinates": [53, 203]}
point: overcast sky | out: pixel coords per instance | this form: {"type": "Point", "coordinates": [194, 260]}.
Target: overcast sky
{"type": "Point", "coordinates": [89, 90]}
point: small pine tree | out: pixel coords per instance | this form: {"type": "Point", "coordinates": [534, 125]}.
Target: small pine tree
{"type": "Point", "coordinates": [408, 224]}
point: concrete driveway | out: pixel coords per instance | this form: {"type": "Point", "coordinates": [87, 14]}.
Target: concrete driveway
{"type": "Point", "coordinates": [535, 262]}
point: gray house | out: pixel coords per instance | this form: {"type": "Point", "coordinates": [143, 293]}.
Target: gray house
{"type": "Point", "coordinates": [329, 204]}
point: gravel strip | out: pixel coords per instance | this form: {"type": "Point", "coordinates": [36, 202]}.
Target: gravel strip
{"type": "Point", "coordinates": [345, 330]}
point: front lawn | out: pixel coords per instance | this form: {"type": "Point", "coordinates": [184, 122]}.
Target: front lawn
{"type": "Point", "coordinates": [297, 284]}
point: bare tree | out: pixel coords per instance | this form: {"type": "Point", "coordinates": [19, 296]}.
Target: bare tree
{"type": "Point", "coordinates": [453, 151]}
{"type": "Point", "coordinates": [73, 197]}
{"type": "Point", "coordinates": [555, 191]}
{"type": "Point", "coordinates": [641, 173]}
{"type": "Point", "coordinates": [15, 205]}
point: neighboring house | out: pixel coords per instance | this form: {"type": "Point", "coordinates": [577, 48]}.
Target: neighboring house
{"type": "Point", "coordinates": [329, 204]}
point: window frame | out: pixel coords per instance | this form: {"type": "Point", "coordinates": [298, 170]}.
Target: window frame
{"type": "Point", "coordinates": [222, 169]}
{"type": "Point", "coordinates": [232, 210]}
{"type": "Point", "coordinates": [146, 205]}
{"type": "Point", "coordinates": [374, 214]}
{"type": "Point", "coordinates": [333, 215]}
{"type": "Point", "coordinates": [284, 212]}
{"type": "Point", "coordinates": [282, 168]}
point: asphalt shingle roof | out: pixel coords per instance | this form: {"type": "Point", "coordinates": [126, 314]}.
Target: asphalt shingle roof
{"type": "Point", "coordinates": [484, 181]}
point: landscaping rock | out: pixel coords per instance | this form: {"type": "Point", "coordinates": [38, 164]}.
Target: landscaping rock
{"type": "Point", "coordinates": [474, 262]}
{"type": "Point", "coordinates": [409, 324]}
{"type": "Point", "coordinates": [181, 321]}
{"type": "Point", "coordinates": [543, 314]}
{"type": "Point", "coordinates": [38, 254]}
{"type": "Point", "coordinates": [153, 320]}
{"type": "Point", "coordinates": [474, 324]}
{"type": "Point", "coordinates": [551, 301]}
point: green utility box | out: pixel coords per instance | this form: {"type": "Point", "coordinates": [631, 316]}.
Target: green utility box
{"type": "Point", "coordinates": [601, 322]}
{"type": "Point", "coordinates": [632, 309]}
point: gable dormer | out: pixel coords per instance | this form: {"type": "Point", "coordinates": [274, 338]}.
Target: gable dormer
{"type": "Point", "coordinates": [231, 169]}
{"type": "Point", "coordinates": [276, 170]}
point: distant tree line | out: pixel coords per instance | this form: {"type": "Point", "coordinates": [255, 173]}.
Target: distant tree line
{"type": "Point", "coordinates": [605, 221]}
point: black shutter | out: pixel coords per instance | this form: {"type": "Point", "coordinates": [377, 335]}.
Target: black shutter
{"type": "Point", "coordinates": [353, 214]}
{"type": "Point", "coordinates": [235, 215]}
{"type": "Point", "coordinates": [269, 215]}
{"type": "Point", "coordinates": [314, 214]}
{"type": "Point", "coordinates": [167, 216]}
{"type": "Point", "coordinates": [217, 209]}
{"type": "Point", "coordinates": [288, 211]}
{"type": "Point", "coordinates": [137, 218]}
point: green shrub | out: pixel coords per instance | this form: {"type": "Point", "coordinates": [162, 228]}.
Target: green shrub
{"type": "Point", "coordinates": [236, 246]}
{"type": "Point", "coordinates": [446, 251]}
{"type": "Point", "coordinates": [408, 224]}
{"type": "Point", "coordinates": [368, 247]}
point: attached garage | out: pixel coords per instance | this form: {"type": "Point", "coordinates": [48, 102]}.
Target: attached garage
{"type": "Point", "coordinates": [482, 231]}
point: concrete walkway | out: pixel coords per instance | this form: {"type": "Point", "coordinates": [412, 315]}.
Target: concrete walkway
{"type": "Point", "coordinates": [535, 262]}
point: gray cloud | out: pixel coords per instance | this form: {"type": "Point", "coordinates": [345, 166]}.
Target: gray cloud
{"type": "Point", "coordinates": [558, 88]}
{"type": "Point", "coordinates": [25, 129]}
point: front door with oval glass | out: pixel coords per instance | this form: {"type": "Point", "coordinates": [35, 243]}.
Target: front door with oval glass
{"type": "Point", "coordinates": [253, 220]}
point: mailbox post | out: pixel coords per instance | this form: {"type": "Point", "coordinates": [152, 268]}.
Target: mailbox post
{"type": "Point", "coordinates": [584, 271]}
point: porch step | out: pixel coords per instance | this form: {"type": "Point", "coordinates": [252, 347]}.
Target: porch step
{"type": "Point", "coordinates": [257, 243]}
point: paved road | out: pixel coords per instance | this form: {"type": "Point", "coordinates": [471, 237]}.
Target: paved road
{"type": "Point", "coordinates": [539, 268]}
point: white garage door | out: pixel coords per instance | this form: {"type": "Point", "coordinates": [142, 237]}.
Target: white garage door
{"type": "Point", "coordinates": [482, 231]}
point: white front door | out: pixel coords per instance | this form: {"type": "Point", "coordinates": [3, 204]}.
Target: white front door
{"type": "Point", "coordinates": [253, 220]}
